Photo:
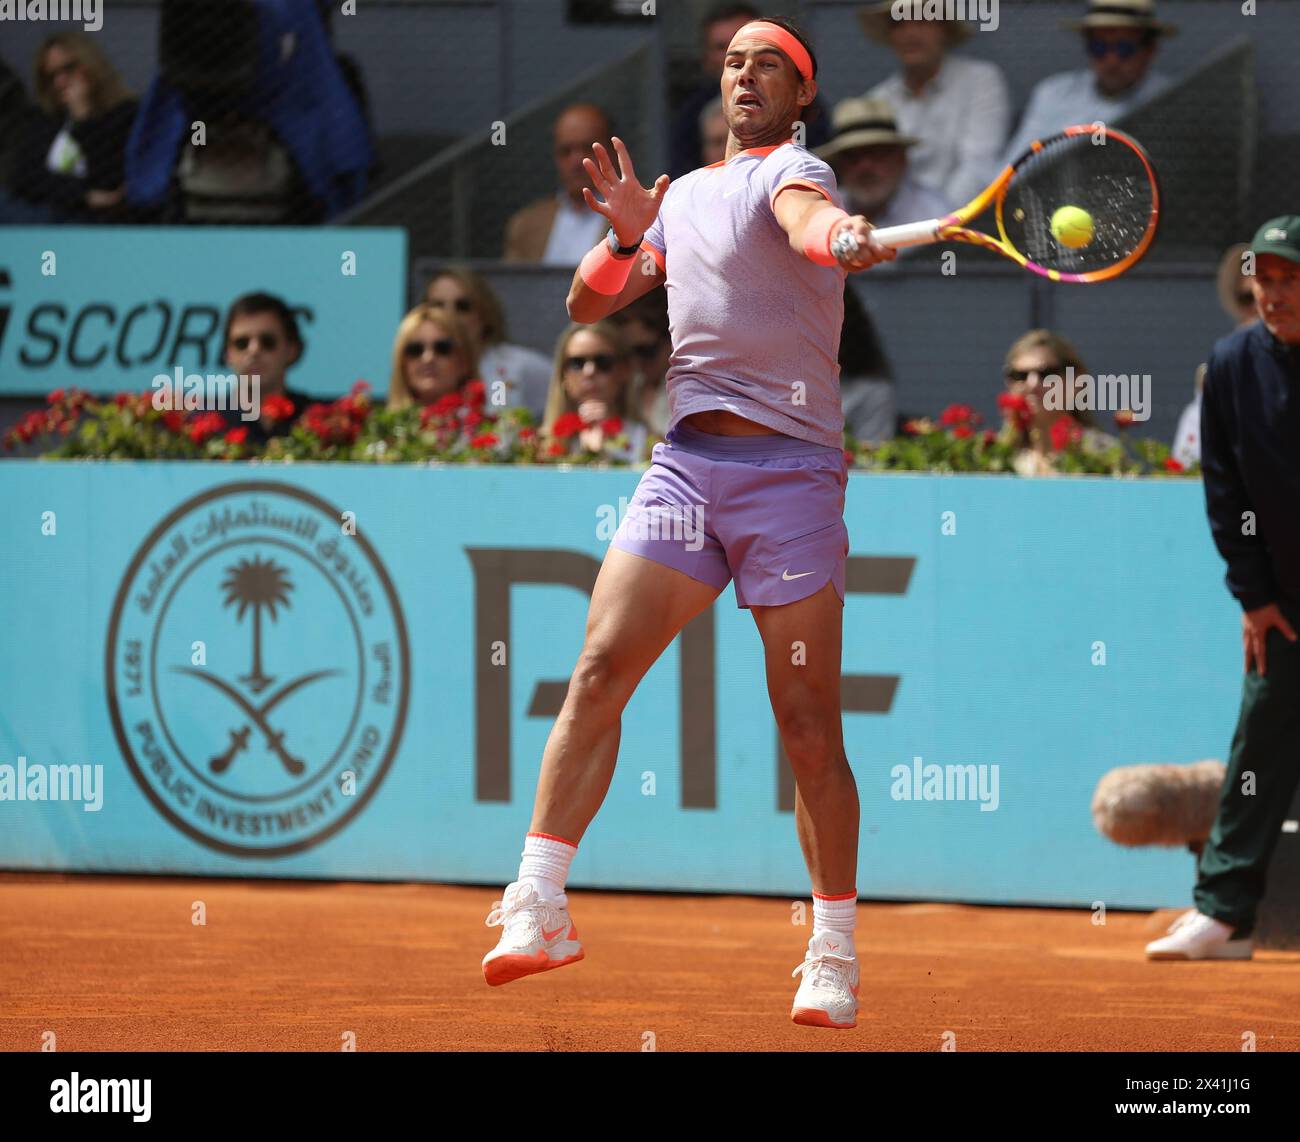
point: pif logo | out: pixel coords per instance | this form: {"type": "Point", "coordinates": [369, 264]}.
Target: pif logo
{"type": "Point", "coordinates": [257, 669]}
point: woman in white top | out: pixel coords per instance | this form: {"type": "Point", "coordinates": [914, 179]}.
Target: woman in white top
{"type": "Point", "coordinates": [515, 376]}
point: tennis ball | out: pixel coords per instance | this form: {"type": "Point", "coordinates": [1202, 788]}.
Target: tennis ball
{"type": "Point", "coordinates": [1072, 227]}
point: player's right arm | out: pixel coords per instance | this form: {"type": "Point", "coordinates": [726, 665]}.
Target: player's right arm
{"type": "Point", "coordinates": [605, 282]}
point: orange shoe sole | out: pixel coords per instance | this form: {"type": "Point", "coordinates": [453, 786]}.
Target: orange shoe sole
{"type": "Point", "coordinates": [504, 969]}
{"type": "Point", "coordinates": [814, 1017]}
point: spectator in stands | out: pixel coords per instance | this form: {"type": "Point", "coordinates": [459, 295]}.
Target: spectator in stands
{"type": "Point", "coordinates": [434, 354]}
{"type": "Point", "coordinates": [958, 109]}
{"type": "Point", "coordinates": [645, 326]}
{"type": "Point", "coordinates": [262, 340]}
{"type": "Point", "coordinates": [866, 387]}
{"type": "Point", "coordinates": [13, 115]}
{"type": "Point", "coordinates": [1238, 301]}
{"type": "Point", "coordinates": [515, 376]}
{"type": "Point", "coordinates": [871, 163]}
{"type": "Point", "coordinates": [71, 154]}
{"type": "Point", "coordinates": [593, 378]}
{"type": "Point", "coordinates": [559, 230]}
{"type": "Point", "coordinates": [1250, 444]}
{"type": "Point", "coordinates": [1039, 430]}
{"type": "Point", "coordinates": [1121, 38]}
{"type": "Point", "coordinates": [686, 140]}
{"type": "Point", "coordinates": [714, 134]}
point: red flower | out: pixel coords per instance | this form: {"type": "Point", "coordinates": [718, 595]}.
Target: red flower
{"type": "Point", "coordinates": [237, 435]}
{"type": "Point", "coordinates": [962, 431]}
{"type": "Point", "coordinates": [556, 449]}
{"type": "Point", "coordinates": [1123, 418]}
{"type": "Point", "coordinates": [120, 399]}
{"type": "Point", "coordinates": [205, 425]}
{"type": "Point", "coordinates": [277, 407]}
{"type": "Point", "coordinates": [360, 388]}
{"type": "Point", "coordinates": [566, 425]}
{"type": "Point", "coordinates": [1065, 432]}
{"type": "Point", "coordinates": [848, 457]}
{"type": "Point", "coordinates": [485, 440]}
{"type": "Point", "coordinates": [444, 404]}
{"type": "Point", "coordinates": [959, 414]}
{"type": "Point", "coordinates": [1172, 465]}
{"type": "Point", "coordinates": [911, 428]}
{"type": "Point", "coordinates": [55, 396]}
{"type": "Point", "coordinates": [527, 433]}
{"type": "Point", "coordinates": [989, 436]}
{"type": "Point", "coordinates": [612, 425]}
{"type": "Point", "coordinates": [173, 420]}
{"type": "Point", "coordinates": [475, 392]}
{"type": "Point", "coordinates": [473, 418]}
{"type": "Point", "coordinates": [1015, 407]}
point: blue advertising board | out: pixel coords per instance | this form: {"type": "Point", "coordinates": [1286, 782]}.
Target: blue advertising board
{"type": "Point", "coordinates": [350, 671]}
{"type": "Point", "coordinates": [107, 309]}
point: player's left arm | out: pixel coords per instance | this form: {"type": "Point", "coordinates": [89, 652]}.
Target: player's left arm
{"type": "Point", "coordinates": [812, 222]}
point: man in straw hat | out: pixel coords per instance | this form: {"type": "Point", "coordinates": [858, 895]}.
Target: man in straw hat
{"type": "Point", "coordinates": [1250, 437]}
{"type": "Point", "coordinates": [748, 486]}
{"type": "Point", "coordinates": [958, 109]}
{"type": "Point", "coordinates": [1121, 38]}
{"type": "Point", "coordinates": [870, 161]}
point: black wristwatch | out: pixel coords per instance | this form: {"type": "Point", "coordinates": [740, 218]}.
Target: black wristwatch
{"type": "Point", "coordinates": [621, 251]}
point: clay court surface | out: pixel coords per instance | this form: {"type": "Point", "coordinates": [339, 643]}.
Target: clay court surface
{"type": "Point", "coordinates": [114, 963]}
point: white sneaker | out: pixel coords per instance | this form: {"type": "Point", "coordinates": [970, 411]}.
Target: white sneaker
{"type": "Point", "coordinates": [1195, 936]}
{"type": "Point", "coordinates": [537, 935]}
{"type": "Point", "coordinates": [828, 993]}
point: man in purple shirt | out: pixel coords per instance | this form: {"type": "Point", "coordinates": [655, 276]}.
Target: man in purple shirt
{"type": "Point", "coordinates": [749, 485]}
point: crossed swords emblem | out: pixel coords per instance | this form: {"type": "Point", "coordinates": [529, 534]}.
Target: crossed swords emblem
{"type": "Point", "coordinates": [258, 716]}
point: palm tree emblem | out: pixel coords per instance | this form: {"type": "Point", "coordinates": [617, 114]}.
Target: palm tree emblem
{"type": "Point", "coordinates": [258, 584]}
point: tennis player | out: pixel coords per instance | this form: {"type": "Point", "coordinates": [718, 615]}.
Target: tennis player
{"type": "Point", "coordinates": [748, 485]}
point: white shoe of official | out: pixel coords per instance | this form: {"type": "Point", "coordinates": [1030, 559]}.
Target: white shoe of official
{"type": "Point", "coordinates": [536, 935]}
{"type": "Point", "coordinates": [1195, 936]}
{"type": "Point", "coordinates": [828, 993]}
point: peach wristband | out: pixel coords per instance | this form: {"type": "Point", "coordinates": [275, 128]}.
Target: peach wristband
{"type": "Point", "coordinates": [603, 272]}
{"type": "Point", "coordinates": [817, 234]}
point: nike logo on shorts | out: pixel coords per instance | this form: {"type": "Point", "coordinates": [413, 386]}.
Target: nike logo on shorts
{"type": "Point", "coordinates": [787, 576]}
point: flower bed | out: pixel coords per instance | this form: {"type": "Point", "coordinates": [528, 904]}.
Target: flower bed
{"type": "Point", "coordinates": [459, 428]}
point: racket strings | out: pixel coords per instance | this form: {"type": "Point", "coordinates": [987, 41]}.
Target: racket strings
{"type": "Point", "coordinates": [1109, 181]}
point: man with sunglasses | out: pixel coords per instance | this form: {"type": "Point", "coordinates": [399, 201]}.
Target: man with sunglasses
{"type": "Point", "coordinates": [1120, 38]}
{"type": "Point", "coordinates": [748, 485]}
{"type": "Point", "coordinates": [261, 340]}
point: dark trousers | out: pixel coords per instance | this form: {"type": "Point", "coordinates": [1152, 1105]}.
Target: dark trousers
{"type": "Point", "coordinates": [1266, 744]}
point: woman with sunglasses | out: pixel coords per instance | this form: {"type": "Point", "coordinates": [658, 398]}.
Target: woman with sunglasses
{"type": "Point", "coordinates": [1032, 359]}
{"type": "Point", "coordinates": [71, 160]}
{"type": "Point", "coordinates": [1238, 301]}
{"type": "Point", "coordinates": [593, 378]}
{"type": "Point", "coordinates": [523, 374]}
{"type": "Point", "coordinates": [434, 354]}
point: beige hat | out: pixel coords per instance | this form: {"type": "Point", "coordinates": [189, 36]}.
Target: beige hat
{"type": "Point", "coordinates": [863, 123]}
{"type": "Point", "coordinates": [877, 18]}
{"type": "Point", "coordinates": [1122, 14]}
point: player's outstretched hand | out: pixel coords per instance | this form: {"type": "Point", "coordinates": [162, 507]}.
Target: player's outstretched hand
{"type": "Point", "coordinates": [859, 251]}
{"type": "Point", "coordinates": [629, 207]}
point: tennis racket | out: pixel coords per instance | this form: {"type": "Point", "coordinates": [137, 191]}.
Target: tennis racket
{"type": "Point", "coordinates": [1081, 206]}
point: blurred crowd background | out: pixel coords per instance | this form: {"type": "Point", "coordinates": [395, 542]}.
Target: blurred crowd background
{"type": "Point", "coordinates": [465, 121]}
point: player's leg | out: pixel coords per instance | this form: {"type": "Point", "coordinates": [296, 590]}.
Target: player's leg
{"type": "Point", "coordinates": [637, 608]}
{"type": "Point", "coordinates": [802, 650]}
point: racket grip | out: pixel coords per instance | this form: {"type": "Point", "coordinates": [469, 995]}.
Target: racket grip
{"type": "Point", "coordinates": [911, 234]}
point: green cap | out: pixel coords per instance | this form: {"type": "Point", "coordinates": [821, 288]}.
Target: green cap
{"type": "Point", "coordinates": [1280, 236]}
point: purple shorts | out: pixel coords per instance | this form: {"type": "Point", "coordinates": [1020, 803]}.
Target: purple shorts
{"type": "Point", "coordinates": [767, 510]}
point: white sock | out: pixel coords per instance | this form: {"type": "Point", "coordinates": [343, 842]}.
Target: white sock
{"type": "Point", "coordinates": [545, 865]}
{"type": "Point", "coordinates": [836, 914]}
